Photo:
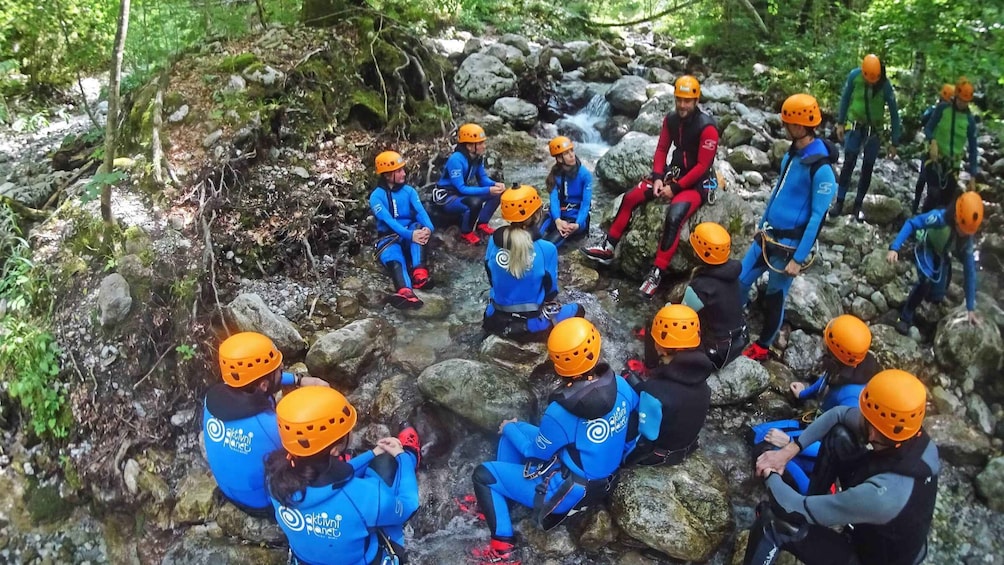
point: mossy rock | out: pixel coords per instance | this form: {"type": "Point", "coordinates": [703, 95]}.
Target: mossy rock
{"type": "Point", "coordinates": [46, 506]}
{"type": "Point", "coordinates": [367, 108]}
{"type": "Point", "coordinates": [238, 63]}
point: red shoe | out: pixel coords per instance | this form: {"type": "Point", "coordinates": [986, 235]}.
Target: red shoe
{"type": "Point", "coordinates": [420, 277]}
{"type": "Point", "coordinates": [405, 299]}
{"type": "Point", "coordinates": [409, 439]}
{"type": "Point", "coordinates": [468, 504]}
{"type": "Point", "coordinates": [757, 352]}
{"type": "Point", "coordinates": [497, 552]}
{"type": "Point", "coordinates": [486, 229]}
{"type": "Point", "coordinates": [637, 366]}
{"type": "Point", "coordinates": [471, 238]}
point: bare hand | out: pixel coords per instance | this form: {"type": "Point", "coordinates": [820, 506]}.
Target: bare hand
{"type": "Point", "coordinates": [793, 268]}
{"type": "Point", "coordinates": [421, 236]}
{"type": "Point", "coordinates": [571, 228]}
{"type": "Point", "coordinates": [562, 226]}
{"type": "Point", "coordinates": [314, 381]}
{"type": "Point", "coordinates": [973, 317]}
{"type": "Point", "coordinates": [774, 461]}
{"type": "Point", "coordinates": [892, 256]}
{"type": "Point", "coordinates": [391, 445]}
{"type": "Point", "coordinates": [496, 189]}
{"type": "Point", "coordinates": [777, 438]}
{"type": "Point", "coordinates": [657, 187]}
{"type": "Point", "coordinates": [797, 388]}
{"type": "Point", "coordinates": [509, 421]}
{"type": "Point", "coordinates": [892, 152]}
{"type": "Point", "coordinates": [840, 133]}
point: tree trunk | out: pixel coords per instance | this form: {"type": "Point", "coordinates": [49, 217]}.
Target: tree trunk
{"type": "Point", "coordinates": [111, 126]}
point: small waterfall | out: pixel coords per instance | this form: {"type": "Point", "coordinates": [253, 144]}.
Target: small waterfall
{"type": "Point", "coordinates": [584, 122]}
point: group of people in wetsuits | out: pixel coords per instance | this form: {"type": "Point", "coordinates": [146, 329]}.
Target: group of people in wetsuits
{"type": "Point", "coordinates": [865, 460]}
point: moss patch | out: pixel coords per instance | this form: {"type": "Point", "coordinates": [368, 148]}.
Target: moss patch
{"type": "Point", "coordinates": [238, 63]}
{"type": "Point", "coordinates": [46, 506]}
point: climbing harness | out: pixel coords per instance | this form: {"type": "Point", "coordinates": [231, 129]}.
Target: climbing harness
{"type": "Point", "coordinates": [765, 237]}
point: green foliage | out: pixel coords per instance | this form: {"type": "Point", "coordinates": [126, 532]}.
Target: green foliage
{"type": "Point", "coordinates": [92, 190]}
{"type": "Point", "coordinates": [186, 351]}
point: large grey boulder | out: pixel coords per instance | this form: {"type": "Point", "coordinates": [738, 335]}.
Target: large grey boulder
{"type": "Point", "coordinates": [803, 352]}
{"type": "Point", "coordinates": [114, 300]}
{"type": "Point", "coordinates": [990, 484]}
{"type": "Point", "coordinates": [682, 511]}
{"type": "Point", "coordinates": [876, 270]}
{"type": "Point", "coordinates": [957, 443]}
{"type": "Point", "coordinates": [511, 56]}
{"type": "Point", "coordinates": [249, 313]}
{"type": "Point", "coordinates": [739, 381]}
{"type": "Point", "coordinates": [482, 79]}
{"type": "Point", "coordinates": [520, 113]}
{"type": "Point", "coordinates": [749, 158]}
{"type": "Point", "coordinates": [812, 303]}
{"type": "Point", "coordinates": [628, 162]}
{"type": "Point", "coordinates": [340, 357]}
{"type": "Point", "coordinates": [652, 113]}
{"type": "Point", "coordinates": [603, 70]}
{"type": "Point", "coordinates": [720, 92]}
{"type": "Point", "coordinates": [196, 496]}
{"type": "Point", "coordinates": [517, 41]}
{"type": "Point", "coordinates": [968, 350]}
{"type": "Point", "coordinates": [883, 210]}
{"type": "Point", "coordinates": [895, 351]}
{"type": "Point", "coordinates": [627, 95]}
{"type": "Point", "coordinates": [736, 134]}
{"type": "Point", "coordinates": [480, 392]}
{"type": "Point", "coordinates": [520, 358]}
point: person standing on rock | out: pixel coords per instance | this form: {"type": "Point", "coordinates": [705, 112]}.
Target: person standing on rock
{"type": "Point", "coordinates": [949, 132]}
{"type": "Point", "coordinates": [571, 187]}
{"type": "Point", "coordinates": [940, 233]}
{"type": "Point", "coordinates": [523, 273]}
{"type": "Point", "coordinates": [947, 94]}
{"type": "Point", "coordinates": [847, 370]}
{"type": "Point", "coordinates": [887, 468]}
{"type": "Point", "coordinates": [403, 230]}
{"type": "Point", "coordinates": [571, 460]}
{"type": "Point", "coordinates": [685, 184]}
{"type": "Point", "coordinates": [673, 389]}
{"type": "Point", "coordinates": [337, 510]}
{"type": "Point", "coordinates": [238, 418]}
{"type": "Point", "coordinates": [792, 219]}
{"type": "Point", "coordinates": [867, 92]}
{"type": "Point", "coordinates": [465, 189]}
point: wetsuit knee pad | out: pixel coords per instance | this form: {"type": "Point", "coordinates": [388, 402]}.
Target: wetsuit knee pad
{"type": "Point", "coordinates": [674, 220]}
{"type": "Point", "coordinates": [385, 466]}
{"type": "Point", "coordinates": [473, 202]}
{"type": "Point", "coordinates": [483, 476]}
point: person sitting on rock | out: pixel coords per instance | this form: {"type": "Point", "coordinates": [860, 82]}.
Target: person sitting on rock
{"type": "Point", "coordinates": [887, 467]}
{"type": "Point", "coordinates": [238, 418]}
{"type": "Point", "coordinates": [571, 460]}
{"type": "Point", "coordinates": [940, 233]}
{"type": "Point", "coordinates": [571, 187]}
{"type": "Point", "coordinates": [950, 134]}
{"type": "Point", "coordinates": [464, 189]}
{"type": "Point", "coordinates": [685, 185]}
{"type": "Point", "coordinates": [847, 370]}
{"type": "Point", "coordinates": [403, 230]}
{"type": "Point", "coordinates": [332, 508]}
{"type": "Point", "coordinates": [675, 397]}
{"type": "Point", "coordinates": [947, 94]}
{"type": "Point", "coordinates": [523, 273]}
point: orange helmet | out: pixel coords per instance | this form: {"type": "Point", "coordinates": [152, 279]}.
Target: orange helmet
{"type": "Point", "coordinates": [947, 92]}
{"type": "Point", "coordinates": [247, 357]}
{"type": "Point", "coordinates": [559, 145]}
{"type": "Point", "coordinates": [687, 87]}
{"type": "Point", "coordinates": [676, 326]}
{"type": "Point", "coordinates": [711, 242]}
{"type": "Point", "coordinates": [871, 68]}
{"type": "Point", "coordinates": [313, 418]}
{"type": "Point", "coordinates": [574, 347]}
{"type": "Point", "coordinates": [968, 212]}
{"type": "Point", "coordinates": [471, 133]}
{"type": "Point", "coordinates": [389, 161]}
{"type": "Point", "coordinates": [801, 109]}
{"type": "Point", "coordinates": [848, 339]}
{"type": "Point", "coordinates": [519, 204]}
{"type": "Point", "coordinates": [964, 90]}
{"type": "Point", "coordinates": [894, 402]}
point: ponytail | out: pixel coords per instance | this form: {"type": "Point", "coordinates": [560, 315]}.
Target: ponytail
{"type": "Point", "coordinates": [517, 239]}
{"type": "Point", "coordinates": [287, 476]}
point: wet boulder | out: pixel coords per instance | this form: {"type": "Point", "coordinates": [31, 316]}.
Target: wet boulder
{"type": "Point", "coordinates": [511, 56]}
{"type": "Point", "coordinates": [520, 358]}
{"type": "Point", "coordinates": [341, 356]}
{"type": "Point", "coordinates": [196, 495]}
{"type": "Point", "coordinates": [957, 443]}
{"type": "Point", "coordinates": [883, 210]}
{"type": "Point", "coordinates": [803, 352]}
{"type": "Point", "coordinates": [749, 158]}
{"type": "Point", "coordinates": [895, 351]}
{"type": "Point", "coordinates": [249, 313]}
{"type": "Point", "coordinates": [990, 484]}
{"type": "Point", "coordinates": [969, 350]}
{"type": "Point", "coordinates": [519, 113]}
{"type": "Point", "coordinates": [812, 303]}
{"type": "Point", "coordinates": [876, 269]}
{"type": "Point", "coordinates": [737, 382]}
{"type": "Point", "coordinates": [603, 70]}
{"type": "Point", "coordinates": [483, 79]}
{"type": "Point", "coordinates": [196, 548]}
{"type": "Point", "coordinates": [396, 398]}
{"type": "Point", "coordinates": [682, 511]}
{"type": "Point", "coordinates": [652, 114]}
{"type": "Point", "coordinates": [482, 393]}
{"type": "Point", "coordinates": [736, 134]}
{"type": "Point", "coordinates": [627, 95]}
{"type": "Point", "coordinates": [627, 162]}
{"type": "Point", "coordinates": [598, 531]}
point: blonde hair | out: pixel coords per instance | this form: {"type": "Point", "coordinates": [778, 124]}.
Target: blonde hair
{"type": "Point", "coordinates": [517, 239]}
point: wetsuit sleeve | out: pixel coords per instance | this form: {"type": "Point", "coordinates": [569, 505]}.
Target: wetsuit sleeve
{"type": "Point", "coordinates": [395, 503]}
{"type": "Point", "coordinates": [878, 500]}
{"type": "Point", "coordinates": [555, 203]}
{"type": "Point", "coordinates": [539, 443]}
{"type": "Point", "coordinates": [845, 99]}
{"type": "Point", "coordinates": [846, 415]}
{"type": "Point", "coordinates": [933, 121]}
{"type": "Point", "coordinates": [420, 213]}
{"type": "Point", "coordinates": [823, 187]}
{"type": "Point", "coordinates": [455, 176]}
{"type": "Point", "coordinates": [550, 271]}
{"type": "Point", "coordinates": [587, 195]}
{"type": "Point", "coordinates": [705, 157]}
{"type": "Point", "coordinates": [288, 379]}
{"type": "Point", "coordinates": [974, 154]}
{"type": "Point", "coordinates": [690, 298]}
{"type": "Point", "coordinates": [381, 209]}
{"type": "Point", "coordinates": [969, 269]}
{"type": "Point", "coordinates": [661, 151]}
{"type": "Point", "coordinates": [360, 462]}
{"type": "Point", "coordinates": [813, 389]}
{"type": "Point", "coordinates": [890, 100]}
{"type": "Point", "coordinates": [912, 225]}
{"type": "Point", "coordinates": [483, 179]}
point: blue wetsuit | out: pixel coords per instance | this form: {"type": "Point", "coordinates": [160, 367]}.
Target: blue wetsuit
{"type": "Point", "coordinates": [793, 217]}
{"type": "Point", "coordinates": [336, 519]}
{"type": "Point", "coordinates": [588, 428]}
{"type": "Point", "coordinates": [571, 196]}
{"type": "Point", "coordinates": [399, 213]}
{"type": "Point", "coordinates": [240, 430]}
{"type": "Point", "coordinates": [932, 255]}
{"type": "Point", "coordinates": [464, 189]}
{"type": "Point", "coordinates": [524, 308]}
